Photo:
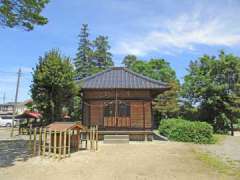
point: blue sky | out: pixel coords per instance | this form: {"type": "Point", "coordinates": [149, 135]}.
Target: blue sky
{"type": "Point", "coordinates": [178, 31]}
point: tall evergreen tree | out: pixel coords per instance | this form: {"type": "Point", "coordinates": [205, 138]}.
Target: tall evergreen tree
{"type": "Point", "coordinates": [102, 56]}
{"type": "Point", "coordinates": [83, 60]}
{"type": "Point", "coordinates": [53, 86]}
{"type": "Point", "coordinates": [23, 13]}
{"type": "Point", "coordinates": [91, 58]}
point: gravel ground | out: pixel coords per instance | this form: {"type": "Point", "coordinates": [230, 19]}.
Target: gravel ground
{"type": "Point", "coordinates": [5, 134]}
{"type": "Point", "coordinates": [14, 148]}
{"type": "Point", "coordinates": [237, 133]}
{"type": "Point", "coordinates": [228, 149]}
{"type": "Point", "coordinates": [135, 161]}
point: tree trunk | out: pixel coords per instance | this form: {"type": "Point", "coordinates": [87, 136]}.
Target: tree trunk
{"type": "Point", "coordinates": [232, 130]}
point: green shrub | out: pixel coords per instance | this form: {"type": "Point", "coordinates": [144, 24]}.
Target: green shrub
{"type": "Point", "coordinates": [236, 126]}
{"type": "Point", "coordinates": [187, 131]}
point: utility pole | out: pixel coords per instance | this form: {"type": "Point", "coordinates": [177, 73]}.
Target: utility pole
{"type": "Point", "coordinates": [4, 97]}
{"type": "Point", "coordinates": [15, 102]}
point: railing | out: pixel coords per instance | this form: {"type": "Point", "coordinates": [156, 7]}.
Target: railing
{"type": "Point", "coordinates": [60, 144]}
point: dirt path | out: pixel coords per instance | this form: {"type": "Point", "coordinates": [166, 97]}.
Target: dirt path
{"type": "Point", "coordinates": [135, 161]}
{"type": "Point", "coordinates": [228, 149]}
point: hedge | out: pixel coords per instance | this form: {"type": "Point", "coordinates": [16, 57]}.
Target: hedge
{"type": "Point", "coordinates": [187, 131]}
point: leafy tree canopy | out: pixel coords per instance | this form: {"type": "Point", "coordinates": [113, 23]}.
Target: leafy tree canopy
{"type": "Point", "coordinates": [213, 84]}
{"type": "Point", "coordinates": [24, 13]}
{"type": "Point", "coordinates": [166, 104]}
{"type": "Point", "coordinates": [53, 86]}
{"type": "Point", "coordinates": [129, 60]}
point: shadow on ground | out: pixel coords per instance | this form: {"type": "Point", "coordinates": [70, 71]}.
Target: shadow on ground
{"type": "Point", "coordinates": [13, 150]}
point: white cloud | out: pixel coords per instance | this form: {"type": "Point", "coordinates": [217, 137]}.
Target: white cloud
{"type": "Point", "coordinates": [184, 33]}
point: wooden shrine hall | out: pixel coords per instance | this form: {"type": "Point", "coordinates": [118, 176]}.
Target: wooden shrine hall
{"type": "Point", "coordinates": [119, 101]}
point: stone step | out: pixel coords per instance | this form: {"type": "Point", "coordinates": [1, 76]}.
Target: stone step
{"type": "Point", "coordinates": [126, 137]}
{"type": "Point", "coordinates": [116, 139]}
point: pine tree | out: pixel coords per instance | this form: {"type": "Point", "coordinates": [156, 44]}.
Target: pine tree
{"type": "Point", "coordinates": [22, 13]}
{"type": "Point", "coordinates": [102, 56]}
{"type": "Point", "coordinates": [83, 60]}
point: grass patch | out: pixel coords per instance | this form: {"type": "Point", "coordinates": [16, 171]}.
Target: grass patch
{"type": "Point", "coordinates": [219, 165]}
{"type": "Point", "coordinates": [218, 138]}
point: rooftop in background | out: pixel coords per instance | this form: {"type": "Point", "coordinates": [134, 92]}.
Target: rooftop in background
{"type": "Point", "coordinates": [120, 78]}
{"type": "Point", "coordinates": [28, 101]}
{"type": "Point", "coordinates": [7, 108]}
{"type": "Point", "coordinates": [28, 114]}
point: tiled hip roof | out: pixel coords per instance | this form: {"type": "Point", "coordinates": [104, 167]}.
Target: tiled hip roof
{"type": "Point", "coordinates": [120, 78]}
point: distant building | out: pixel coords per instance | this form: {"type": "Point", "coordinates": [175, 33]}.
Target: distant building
{"type": "Point", "coordinates": [7, 108]}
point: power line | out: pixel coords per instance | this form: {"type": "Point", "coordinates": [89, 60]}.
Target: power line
{"type": "Point", "coordinates": [14, 73]}
{"type": "Point", "coordinates": [7, 72]}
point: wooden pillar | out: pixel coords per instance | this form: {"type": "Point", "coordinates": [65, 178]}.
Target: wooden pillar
{"type": "Point", "coordinates": [69, 143]}
{"type": "Point", "coordinates": [96, 137]}
{"type": "Point", "coordinates": [89, 114]}
{"type": "Point", "coordinates": [44, 141]}
{"type": "Point", "coordinates": [116, 108]}
{"type": "Point", "coordinates": [152, 117]}
{"type": "Point", "coordinates": [30, 139]}
{"type": "Point", "coordinates": [145, 136]}
{"type": "Point", "coordinates": [50, 143]}
{"type": "Point", "coordinates": [55, 144]}
{"type": "Point", "coordinates": [60, 145]}
{"type": "Point", "coordinates": [82, 105]}
{"type": "Point", "coordinates": [64, 143]}
{"type": "Point", "coordinates": [34, 141]}
{"type": "Point", "coordinates": [143, 109]}
{"type": "Point", "coordinates": [78, 138]}
{"type": "Point", "coordinates": [40, 142]}
{"type": "Point", "coordinates": [90, 137]}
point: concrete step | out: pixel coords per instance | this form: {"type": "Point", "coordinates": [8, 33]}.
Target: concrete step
{"type": "Point", "coordinates": [116, 139]}
{"type": "Point", "coordinates": [157, 136]}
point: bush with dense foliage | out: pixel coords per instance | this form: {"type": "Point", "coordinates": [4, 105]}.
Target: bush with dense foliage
{"type": "Point", "coordinates": [187, 131]}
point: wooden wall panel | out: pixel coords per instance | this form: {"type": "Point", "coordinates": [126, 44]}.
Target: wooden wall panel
{"type": "Point", "coordinates": [139, 110]}
{"type": "Point", "coordinates": [86, 114]}
{"type": "Point", "coordinates": [96, 113]}
{"type": "Point", "coordinates": [148, 114]}
{"type": "Point", "coordinates": [136, 114]}
{"type": "Point", "coordinates": [120, 93]}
